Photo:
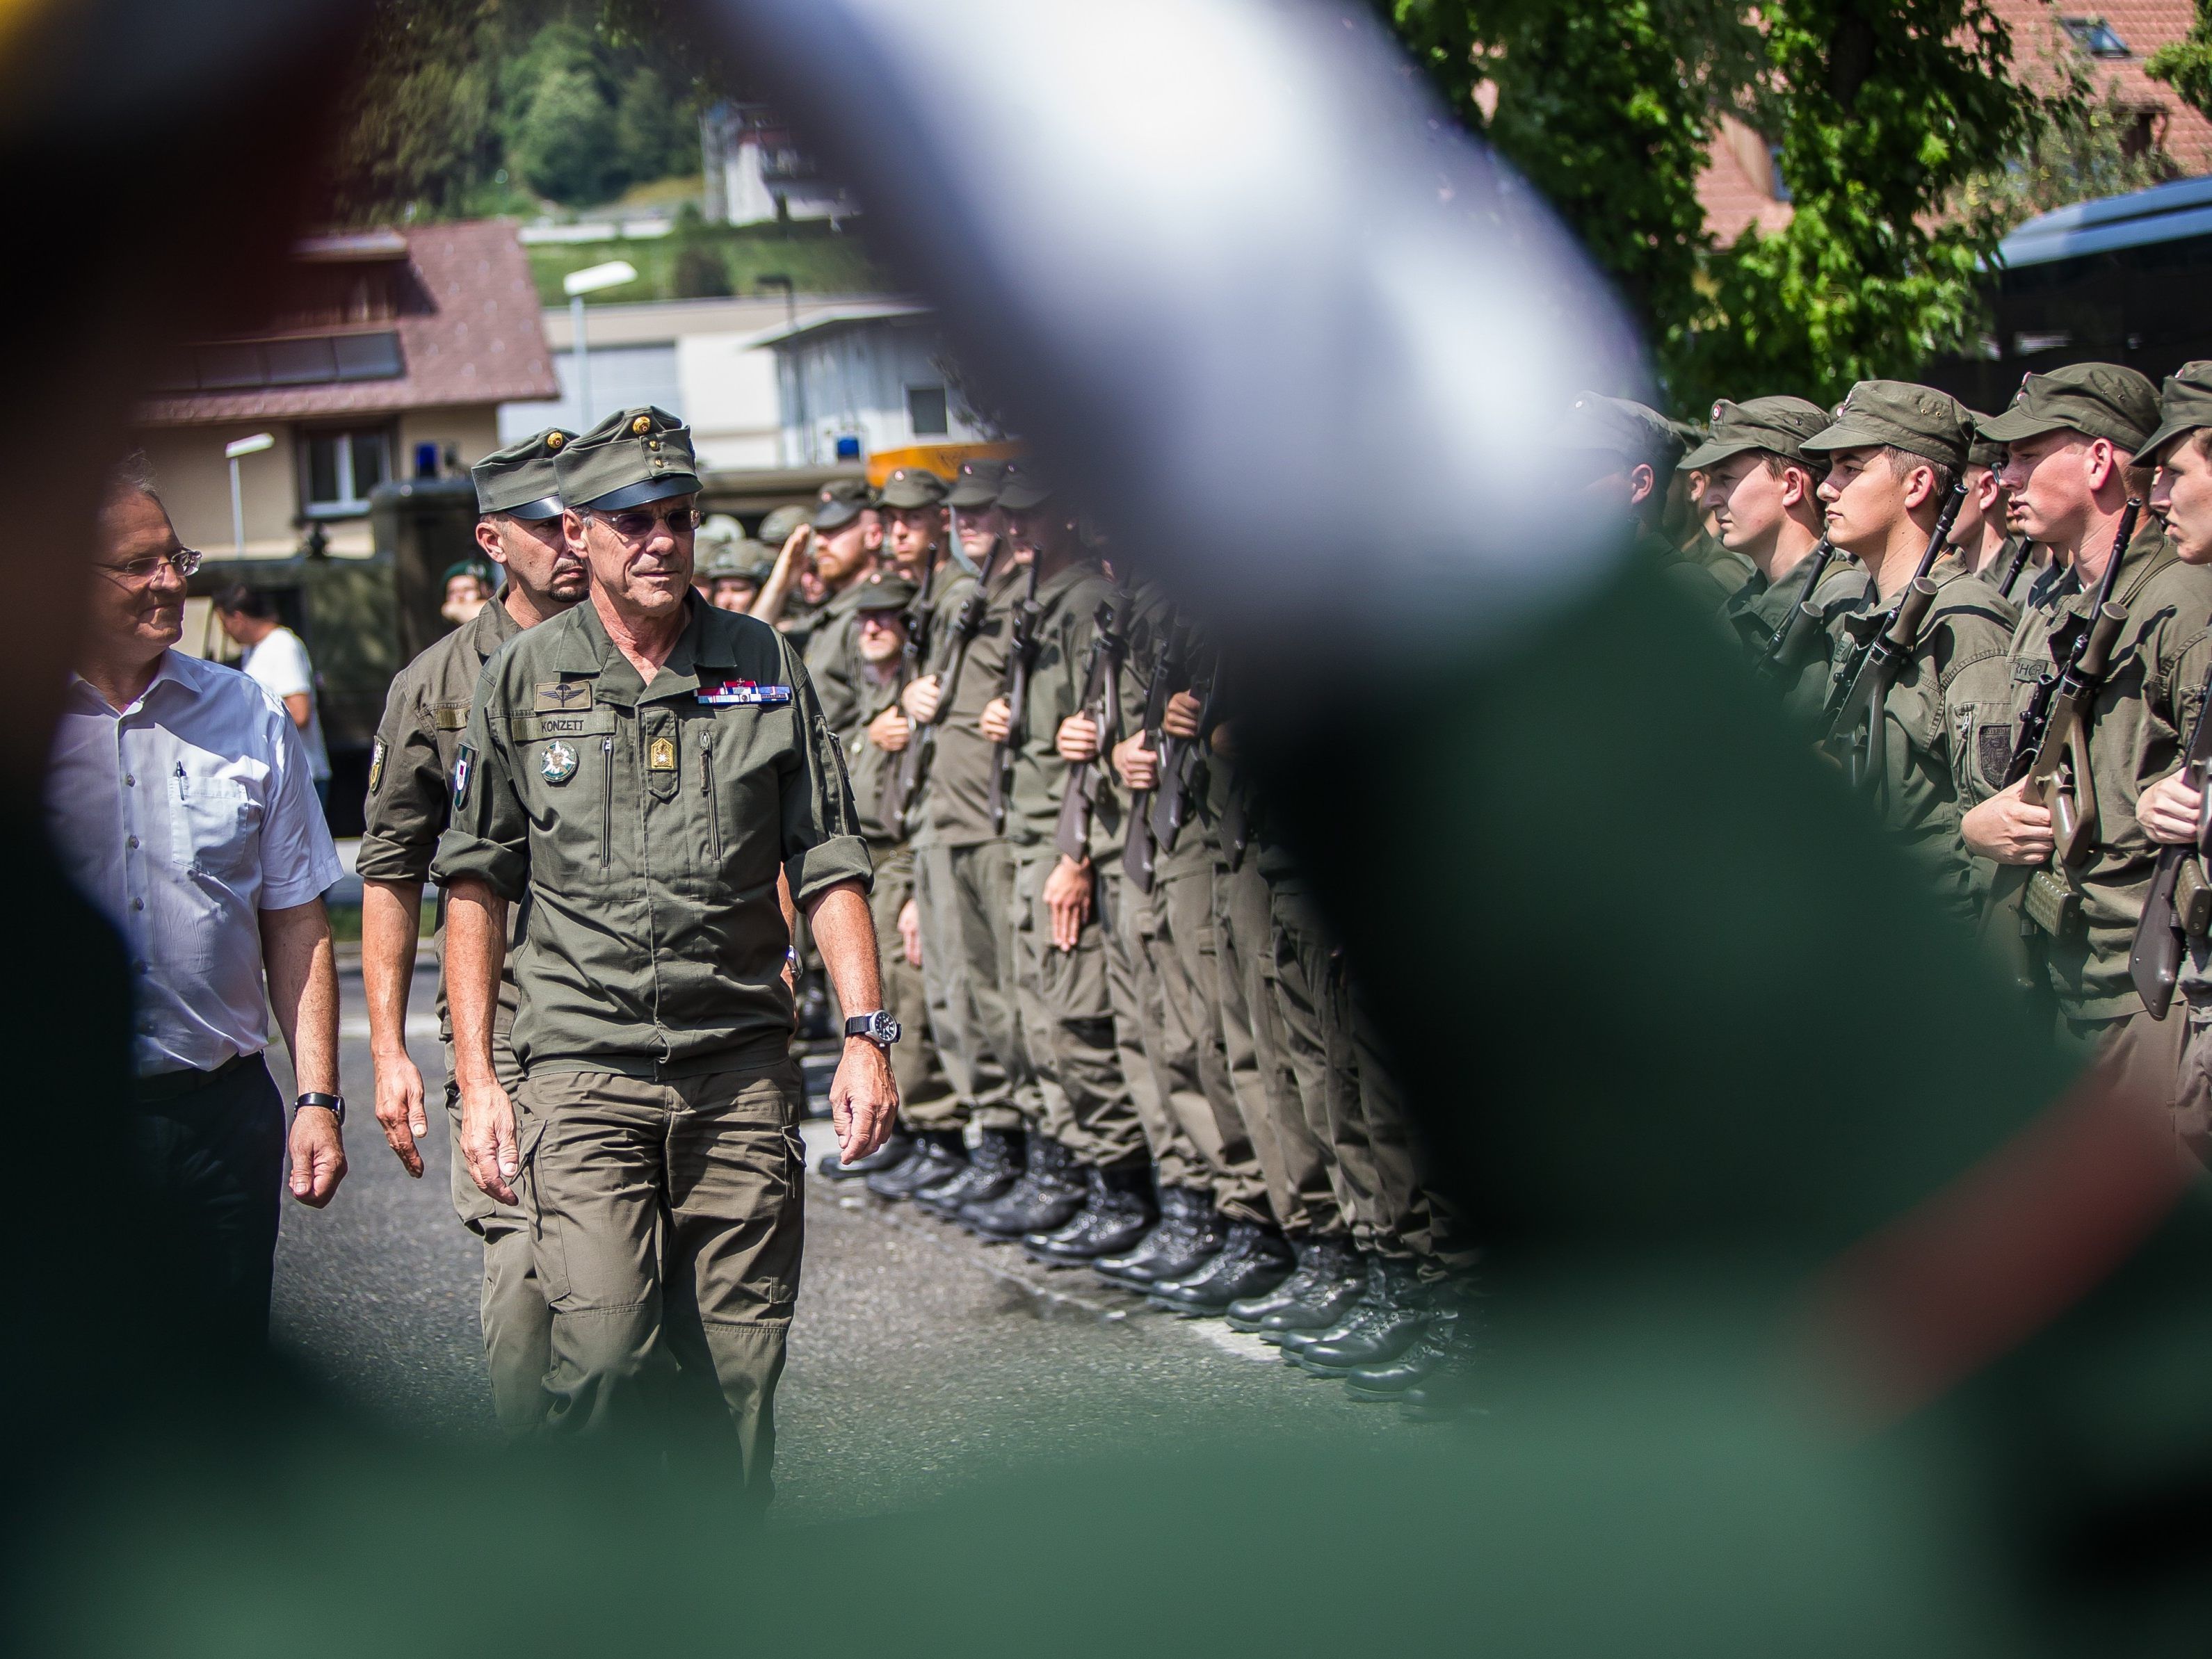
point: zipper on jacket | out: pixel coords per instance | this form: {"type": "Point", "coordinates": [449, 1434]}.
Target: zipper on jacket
{"type": "Point", "coordinates": [606, 801]}
{"type": "Point", "coordinates": [713, 803]}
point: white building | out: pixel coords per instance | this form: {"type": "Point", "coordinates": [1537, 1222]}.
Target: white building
{"type": "Point", "coordinates": [755, 172]}
{"type": "Point", "coordinates": [861, 378]}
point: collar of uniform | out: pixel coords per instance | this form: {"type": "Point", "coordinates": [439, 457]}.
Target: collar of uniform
{"type": "Point", "coordinates": [840, 604]}
{"type": "Point", "coordinates": [491, 628]}
{"type": "Point", "coordinates": [1070, 576]}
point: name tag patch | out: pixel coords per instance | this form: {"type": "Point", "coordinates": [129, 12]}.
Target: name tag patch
{"type": "Point", "coordinates": [743, 693]}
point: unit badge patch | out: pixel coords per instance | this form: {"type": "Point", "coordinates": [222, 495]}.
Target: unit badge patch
{"type": "Point", "coordinates": [557, 763]}
{"type": "Point", "coordinates": [375, 764]}
{"type": "Point", "coordinates": [464, 763]}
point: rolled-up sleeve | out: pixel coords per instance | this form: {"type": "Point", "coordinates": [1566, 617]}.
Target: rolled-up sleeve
{"type": "Point", "coordinates": [487, 837]}
{"type": "Point", "coordinates": [822, 843]}
{"type": "Point", "coordinates": [406, 805]}
{"type": "Point", "coordinates": [299, 861]}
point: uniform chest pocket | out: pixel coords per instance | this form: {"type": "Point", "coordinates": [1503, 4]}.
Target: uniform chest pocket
{"type": "Point", "coordinates": [217, 824]}
{"type": "Point", "coordinates": [732, 761]}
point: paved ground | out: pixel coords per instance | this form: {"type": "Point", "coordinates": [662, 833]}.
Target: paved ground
{"type": "Point", "coordinates": [920, 1359]}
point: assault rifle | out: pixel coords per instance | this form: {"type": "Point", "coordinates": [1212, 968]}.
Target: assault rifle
{"type": "Point", "coordinates": [2180, 906]}
{"type": "Point", "coordinates": [1855, 729]}
{"type": "Point", "coordinates": [1784, 653]}
{"type": "Point", "coordinates": [2051, 753]}
{"type": "Point", "coordinates": [1170, 674]}
{"type": "Point", "coordinates": [1102, 698]}
{"type": "Point", "coordinates": [1182, 761]}
{"type": "Point", "coordinates": [913, 761]}
{"type": "Point", "coordinates": [2015, 565]}
{"type": "Point", "coordinates": [1014, 687]}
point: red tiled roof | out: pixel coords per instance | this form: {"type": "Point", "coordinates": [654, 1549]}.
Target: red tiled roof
{"type": "Point", "coordinates": [1733, 202]}
{"type": "Point", "coordinates": [475, 337]}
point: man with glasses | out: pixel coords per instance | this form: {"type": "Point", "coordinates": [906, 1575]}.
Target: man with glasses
{"type": "Point", "coordinates": [181, 803]}
{"type": "Point", "coordinates": [409, 776]}
{"type": "Point", "coordinates": [641, 772]}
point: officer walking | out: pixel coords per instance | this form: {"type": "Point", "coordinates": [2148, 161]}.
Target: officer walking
{"type": "Point", "coordinates": [409, 773]}
{"type": "Point", "coordinates": [640, 772]}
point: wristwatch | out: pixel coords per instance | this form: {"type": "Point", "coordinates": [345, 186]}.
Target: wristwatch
{"type": "Point", "coordinates": [334, 1104]}
{"type": "Point", "coordinates": [879, 1027]}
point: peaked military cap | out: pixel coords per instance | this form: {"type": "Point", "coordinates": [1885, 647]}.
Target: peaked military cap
{"type": "Point", "coordinates": [522, 479]}
{"type": "Point", "coordinates": [637, 456]}
{"type": "Point", "coordinates": [1616, 426]}
{"type": "Point", "coordinates": [1777, 425]}
{"type": "Point", "coordinates": [1024, 489]}
{"type": "Point", "coordinates": [841, 501]}
{"type": "Point", "coordinates": [912, 487]}
{"type": "Point", "coordinates": [2184, 406]}
{"type": "Point", "coordinates": [2098, 400]}
{"type": "Point", "coordinates": [1985, 451]}
{"type": "Point", "coordinates": [885, 592]}
{"type": "Point", "coordinates": [1899, 414]}
{"type": "Point", "coordinates": [977, 486]}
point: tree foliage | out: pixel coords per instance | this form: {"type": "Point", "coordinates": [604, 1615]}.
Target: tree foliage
{"type": "Point", "coordinates": [2186, 65]}
{"type": "Point", "coordinates": [1880, 112]}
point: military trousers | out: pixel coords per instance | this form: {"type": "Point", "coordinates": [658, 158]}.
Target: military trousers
{"type": "Point", "coordinates": [1175, 1162]}
{"type": "Point", "coordinates": [2159, 1062]}
{"type": "Point", "coordinates": [2192, 1103]}
{"type": "Point", "coordinates": [966, 950]}
{"type": "Point", "coordinates": [666, 1219]}
{"type": "Point", "coordinates": [926, 1098]}
{"type": "Point", "coordinates": [1293, 1158]}
{"type": "Point", "coordinates": [1066, 1002]}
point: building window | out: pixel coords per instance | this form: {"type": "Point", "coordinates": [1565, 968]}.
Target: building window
{"type": "Point", "coordinates": [338, 470]}
{"type": "Point", "coordinates": [2096, 37]}
{"type": "Point", "coordinates": [925, 411]}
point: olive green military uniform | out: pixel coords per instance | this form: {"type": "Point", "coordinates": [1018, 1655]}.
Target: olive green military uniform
{"type": "Point", "coordinates": [410, 765]}
{"type": "Point", "coordinates": [1066, 999]}
{"type": "Point", "coordinates": [1776, 428]}
{"type": "Point", "coordinates": [643, 826]}
{"type": "Point", "coordinates": [1633, 434]}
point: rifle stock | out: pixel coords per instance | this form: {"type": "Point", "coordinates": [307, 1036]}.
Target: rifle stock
{"type": "Point", "coordinates": [913, 762]}
{"type": "Point", "coordinates": [1853, 715]}
{"type": "Point", "coordinates": [2161, 935]}
{"type": "Point", "coordinates": [1014, 686]}
{"type": "Point", "coordinates": [1140, 856]}
{"type": "Point", "coordinates": [1079, 807]}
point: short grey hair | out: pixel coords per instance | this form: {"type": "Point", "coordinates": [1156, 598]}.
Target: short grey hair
{"type": "Point", "coordinates": [132, 475]}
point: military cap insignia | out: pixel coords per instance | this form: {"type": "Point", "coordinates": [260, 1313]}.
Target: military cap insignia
{"type": "Point", "coordinates": [1718, 407]}
{"type": "Point", "coordinates": [642, 425]}
{"type": "Point", "coordinates": [660, 756]}
{"type": "Point", "coordinates": [558, 764]}
{"type": "Point", "coordinates": [554, 439]}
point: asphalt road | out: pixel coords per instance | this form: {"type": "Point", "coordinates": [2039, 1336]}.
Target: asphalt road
{"type": "Point", "coordinates": [921, 1359]}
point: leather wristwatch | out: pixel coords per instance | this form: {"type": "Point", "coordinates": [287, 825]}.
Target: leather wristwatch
{"type": "Point", "coordinates": [334, 1104]}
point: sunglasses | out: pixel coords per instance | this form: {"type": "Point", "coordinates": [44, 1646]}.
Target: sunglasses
{"type": "Point", "coordinates": [634, 524]}
{"type": "Point", "coordinates": [183, 561]}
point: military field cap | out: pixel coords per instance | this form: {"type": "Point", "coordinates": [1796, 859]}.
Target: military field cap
{"type": "Point", "coordinates": [885, 592]}
{"type": "Point", "coordinates": [775, 529]}
{"type": "Point", "coordinates": [521, 479]}
{"type": "Point", "coordinates": [640, 455]}
{"type": "Point", "coordinates": [2183, 407]}
{"type": "Point", "coordinates": [728, 559]}
{"type": "Point", "coordinates": [480, 568]}
{"type": "Point", "coordinates": [911, 487]}
{"type": "Point", "coordinates": [977, 486]}
{"type": "Point", "coordinates": [2098, 400]}
{"type": "Point", "coordinates": [1615, 426]}
{"type": "Point", "coordinates": [719, 530]}
{"type": "Point", "coordinates": [1986, 451]}
{"type": "Point", "coordinates": [1899, 414]}
{"type": "Point", "coordinates": [1024, 489]}
{"type": "Point", "coordinates": [1778, 425]}
{"type": "Point", "coordinates": [841, 501]}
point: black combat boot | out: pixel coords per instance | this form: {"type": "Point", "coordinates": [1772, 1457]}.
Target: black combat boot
{"type": "Point", "coordinates": [1447, 1390]}
{"type": "Point", "coordinates": [995, 1165]}
{"type": "Point", "coordinates": [1117, 1212]}
{"type": "Point", "coordinates": [1043, 1201]}
{"type": "Point", "coordinates": [938, 1153]}
{"type": "Point", "coordinates": [1449, 1330]}
{"type": "Point", "coordinates": [1181, 1209]}
{"type": "Point", "coordinates": [1184, 1255]}
{"type": "Point", "coordinates": [889, 1155]}
{"type": "Point", "coordinates": [1324, 1264]}
{"type": "Point", "coordinates": [1252, 1260]}
{"type": "Point", "coordinates": [1394, 1321]}
{"type": "Point", "coordinates": [1292, 1338]}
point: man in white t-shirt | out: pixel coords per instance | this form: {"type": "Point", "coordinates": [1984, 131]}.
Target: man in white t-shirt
{"type": "Point", "coordinates": [277, 657]}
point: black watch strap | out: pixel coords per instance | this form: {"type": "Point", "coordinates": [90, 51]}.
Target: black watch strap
{"type": "Point", "coordinates": [334, 1104]}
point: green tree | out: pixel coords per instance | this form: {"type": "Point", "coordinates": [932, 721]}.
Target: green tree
{"type": "Point", "coordinates": [2186, 65]}
{"type": "Point", "coordinates": [562, 144]}
{"type": "Point", "coordinates": [700, 268]}
{"type": "Point", "coordinates": [419, 130]}
{"type": "Point", "coordinates": [656, 128]}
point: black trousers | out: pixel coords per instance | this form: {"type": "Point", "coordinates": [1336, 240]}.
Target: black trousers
{"type": "Point", "coordinates": [207, 1156]}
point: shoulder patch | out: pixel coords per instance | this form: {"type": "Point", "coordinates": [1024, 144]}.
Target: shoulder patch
{"type": "Point", "coordinates": [465, 765]}
{"type": "Point", "coordinates": [375, 764]}
{"type": "Point", "coordinates": [1993, 752]}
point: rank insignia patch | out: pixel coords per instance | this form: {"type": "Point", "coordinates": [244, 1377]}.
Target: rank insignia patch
{"type": "Point", "coordinates": [726, 693]}
{"type": "Point", "coordinates": [557, 763]}
{"type": "Point", "coordinates": [660, 756]}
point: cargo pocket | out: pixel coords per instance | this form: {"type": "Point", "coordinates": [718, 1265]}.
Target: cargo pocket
{"type": "Point", "coordinates": [546, 1250]}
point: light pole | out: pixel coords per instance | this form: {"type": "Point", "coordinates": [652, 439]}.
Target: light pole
{"type": "Point", "coordinates": [576, 284]}
{"type": "Point", "coordinates": [232, 453]}
{"type": "Point", "coordinates": [798, 368]}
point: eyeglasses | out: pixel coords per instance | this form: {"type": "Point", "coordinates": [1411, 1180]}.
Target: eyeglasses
{"type": "Point", "coordinates": [183, 561]}
{"type": "Point", "coordinates": [635, 524]}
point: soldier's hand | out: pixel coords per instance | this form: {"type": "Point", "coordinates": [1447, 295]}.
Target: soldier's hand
{"type": "Point", "coordinates": [399, 1108]}
{"type": "Point", "coordinates": [2169, 810]}
{"type": "Point", "coordinates": [998, 721]}
{"type": "Point", "coordinates": [318, 1151]}
{"type": "Point", "coordinates": [2009, 829]}
{"type": "Point", "coordinates": [1067, 897]}
{"type": "Point", "coordinates": [890, 730]}
{"type": "Point", "coordinates": [1138, 767]}
{"type": "Point", "coordinates": [488, 1141]}
{"type": "Point", "coordinates": [1180, 720]}
{"type": "Point", "coordinates": [1077, 740]}
{"type": "Point", "coordinates": [909, 930]}
{"type": "Point", "coordinates": [863, 1099]}
{"type": "Point", "coordinates": [921, 698]}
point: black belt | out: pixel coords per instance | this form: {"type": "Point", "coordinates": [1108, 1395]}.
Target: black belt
{"type": "Point", "coordinates": [170, 1086]}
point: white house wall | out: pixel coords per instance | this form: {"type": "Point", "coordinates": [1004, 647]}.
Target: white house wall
{"type": "Point", "coordinates": [853, 381]}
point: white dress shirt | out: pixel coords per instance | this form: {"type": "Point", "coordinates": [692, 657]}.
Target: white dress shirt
{"type": "Point", "coordinates": [280, 663]}
{"type": "Point", "coordinates": [181, 819]}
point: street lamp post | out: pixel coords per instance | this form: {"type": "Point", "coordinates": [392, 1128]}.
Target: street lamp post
{"type": "Point", "coordinates": [233, 452]}
{"type": "Point", "coordinates": [576, 284]}
{"type": "Point", "coordinates": [798, 368]}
